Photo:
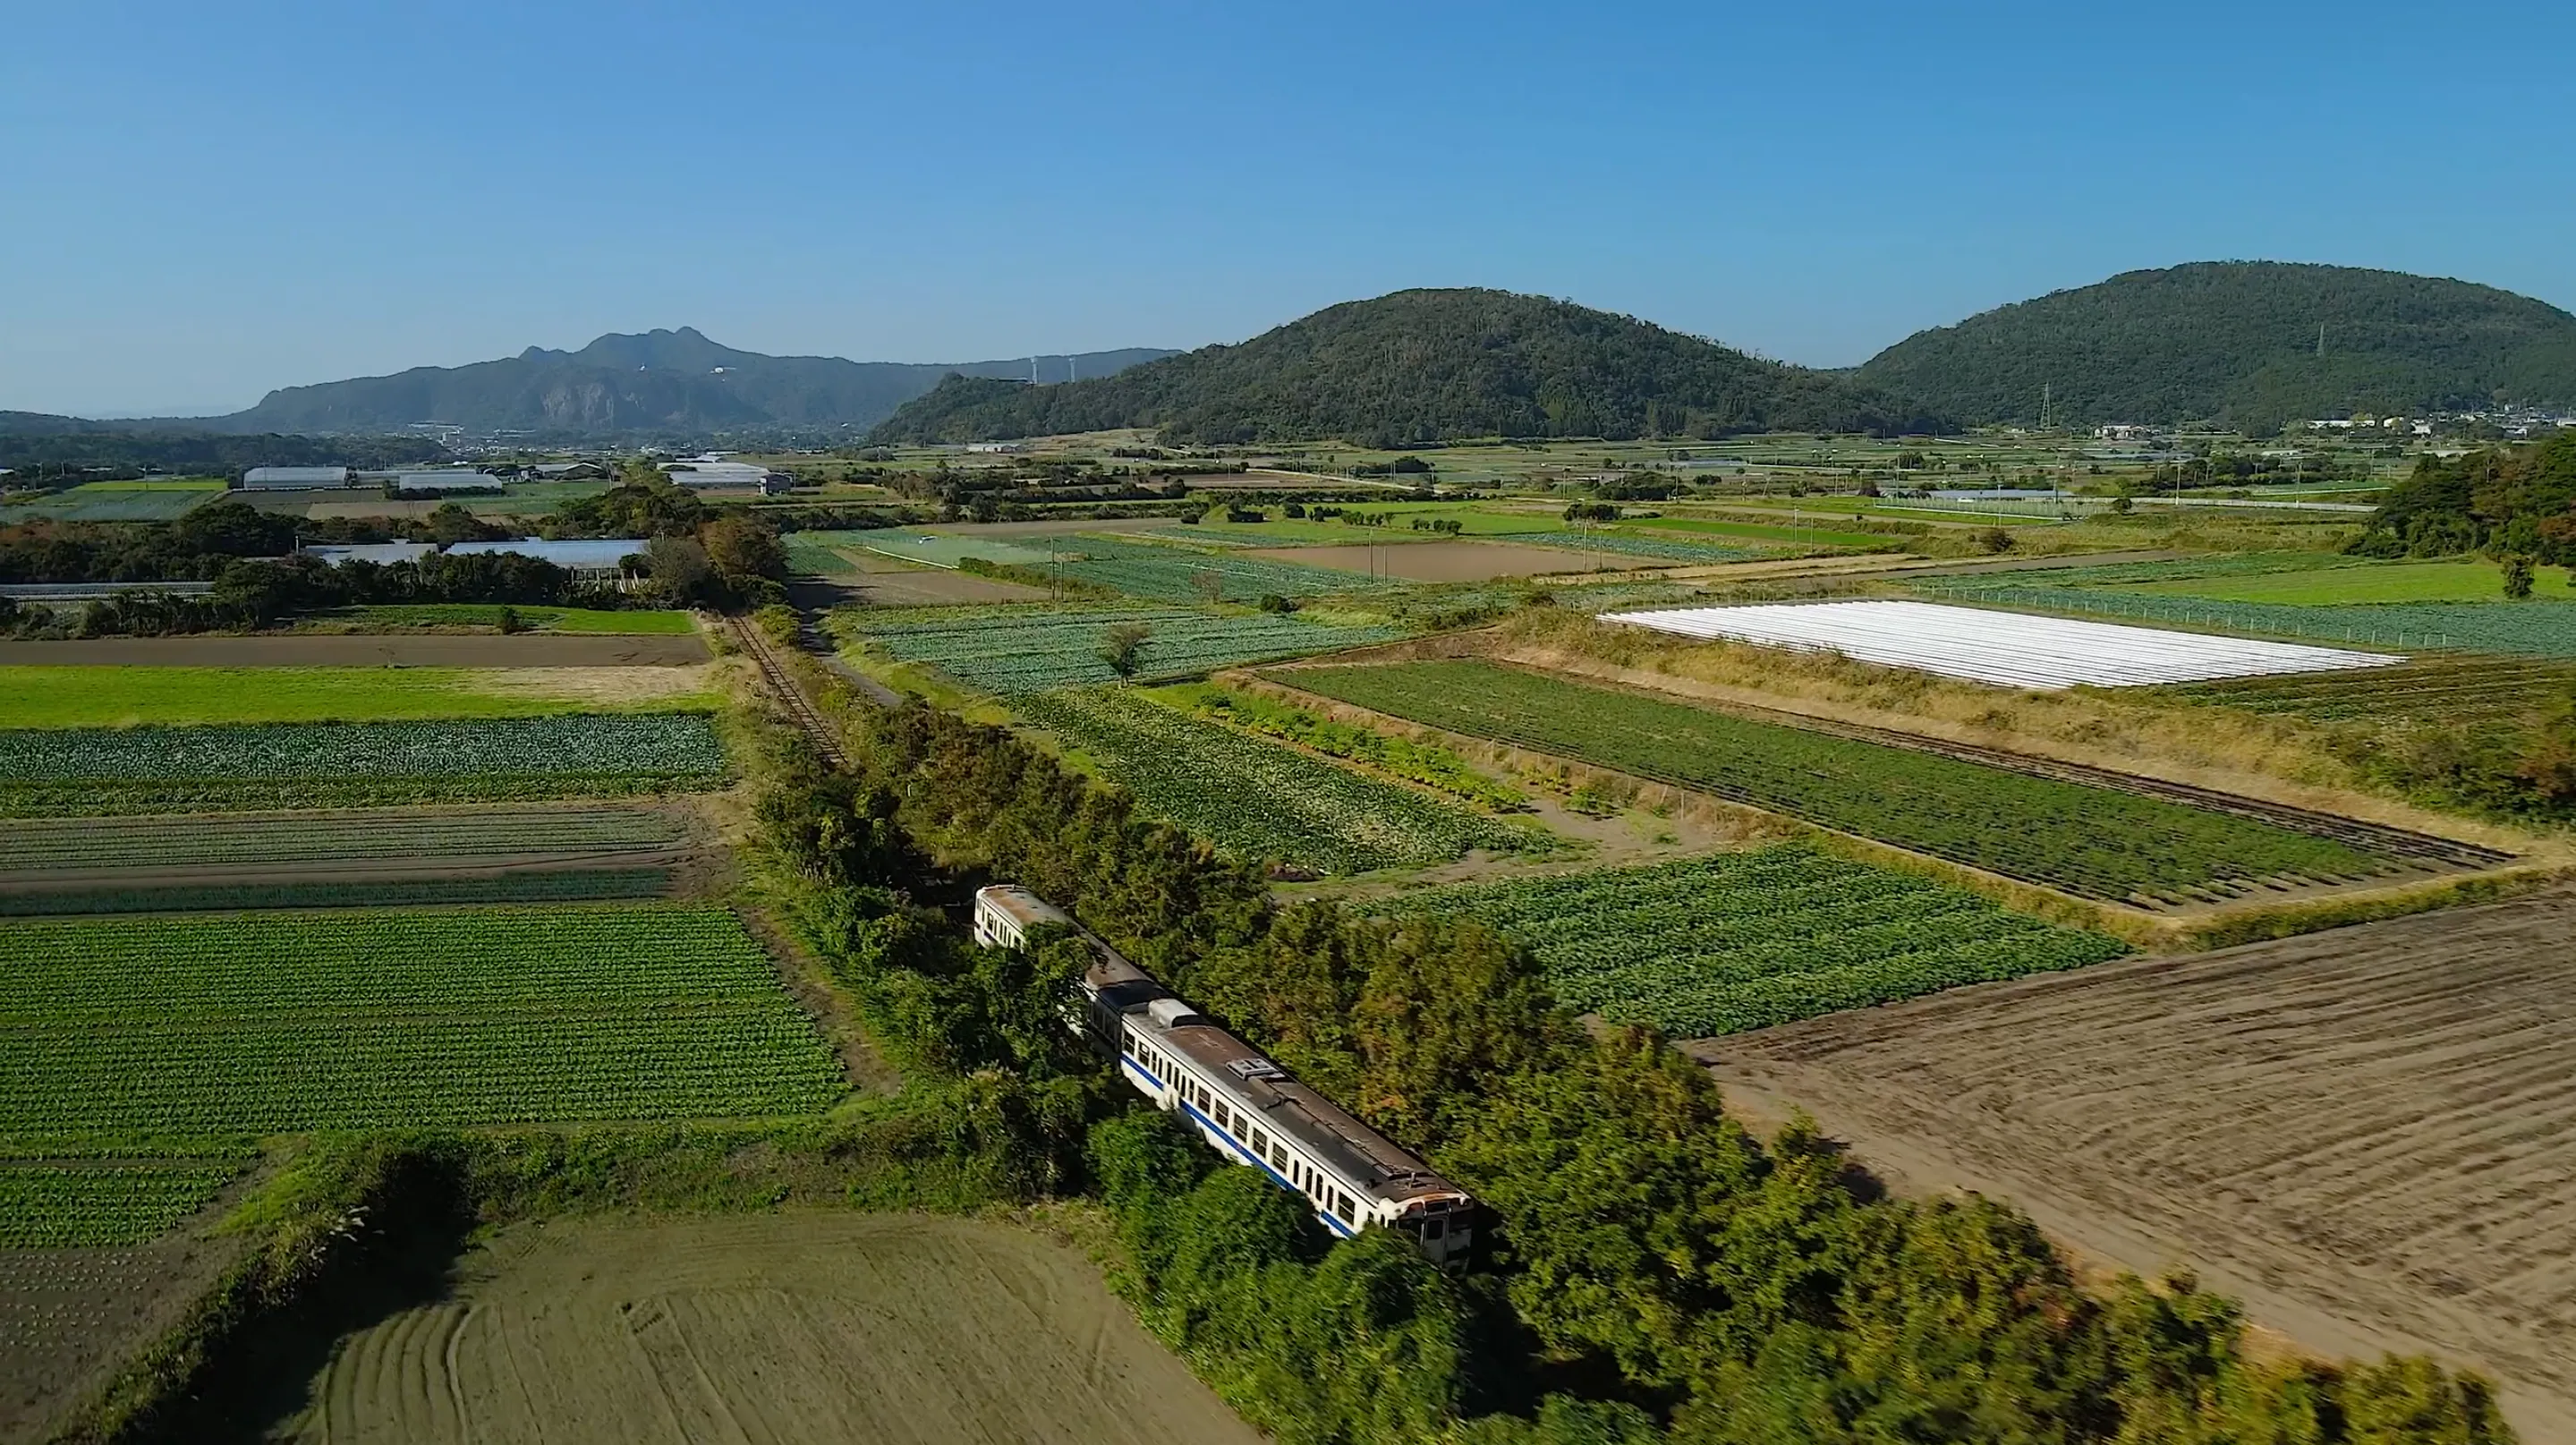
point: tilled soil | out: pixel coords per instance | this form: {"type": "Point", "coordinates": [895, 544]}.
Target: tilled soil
{"type": "Point", "coordinates": [527, 649]}
{"type": "Point", "coordinates": [802, 1327]}
{"type": "Point", "coordinates": [69, 1317]}
{"type": "Point", "coordinates": [2369, 1134]}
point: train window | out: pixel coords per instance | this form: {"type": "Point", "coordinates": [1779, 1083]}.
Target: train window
{"type": "Point", "coordinates": [1342, 1205]}
{"type": "Point", "coordinates": [1434, 1228]}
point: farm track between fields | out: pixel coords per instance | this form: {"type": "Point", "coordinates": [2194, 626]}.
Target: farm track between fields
{"type": "Point", "coordinates": [2369, 1134]}
{"type": "Point", "coordinates": [2434, 854]}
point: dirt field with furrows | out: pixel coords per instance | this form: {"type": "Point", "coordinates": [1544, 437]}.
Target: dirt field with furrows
{"type": "Point", "coordinates": [803, 1327]}
{"type": "Point", "coordinates": [2368, 1134]}
{"type": "Point", "coordinates": [69, 1316]}
{"type": "Point", "coordinates": [367, 650]}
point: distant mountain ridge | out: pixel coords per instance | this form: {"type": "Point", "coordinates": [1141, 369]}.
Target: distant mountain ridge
{"type": "Point", "coordinates": [2248, 344]}
{"type": "Point", "coordinates": [652, 382]}
{"type": "Point", "coordinates": [1427, 365]}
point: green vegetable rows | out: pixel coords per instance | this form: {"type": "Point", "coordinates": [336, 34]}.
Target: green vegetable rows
{"type": "Point", "coordinates": [1260, 799]}
{"type": "Point", "coordinates": [47, 1205]}
{"type": "Point", "coordinates": [562, 885]}
{"type": "Point", "coordinates": [226, 767]}
{"type": "Point", "coordinates": [388, 833]}
{"type": "Point", "coordinates": [1170, 574]}
{"type": "Point", "coordinates": [1745, 940]}
{"type": "Point", "coordinates": [256, 1023]}
{"type": "Point", "coordinates": [2090, 841]}
{"type": "Point", "coordinates": [1030, 649]}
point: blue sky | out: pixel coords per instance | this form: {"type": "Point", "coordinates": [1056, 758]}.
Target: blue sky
{"type": "Point", "coordinates": [200, 202]}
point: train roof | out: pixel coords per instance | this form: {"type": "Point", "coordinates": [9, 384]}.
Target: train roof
{"type": "Point", "coordinates": [1318, 1126]}
{"type": "Point", "coordinates": [1021, 906]}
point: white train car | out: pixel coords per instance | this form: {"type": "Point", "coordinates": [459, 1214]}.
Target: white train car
{"type": "Point", "coordinates": [1245, 1106]}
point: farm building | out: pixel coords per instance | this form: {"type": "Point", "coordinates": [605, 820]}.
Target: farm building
{"type": "Point", "coordinates": [293, 479]}
{"type": "Point", "coordinates": [596, 559]}
{"type": "Point", "coordinates": [568, 471]}
{"type": "Point", "coordinates": [725, 476]}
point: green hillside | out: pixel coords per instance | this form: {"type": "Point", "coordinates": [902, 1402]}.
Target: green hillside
{"type": "Point", "coordinates": [629, 384]}
{"type": "Point", "coordinates": [2237, 342]}
{"type": "Point", "coordinates": [1420, 366]}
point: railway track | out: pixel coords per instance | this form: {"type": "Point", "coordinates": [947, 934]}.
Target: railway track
{"type": "Point", "coordinates": [800, 708]}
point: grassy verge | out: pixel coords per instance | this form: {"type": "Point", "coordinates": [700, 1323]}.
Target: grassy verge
{"type": "Point", "coordinates": [85, 697]}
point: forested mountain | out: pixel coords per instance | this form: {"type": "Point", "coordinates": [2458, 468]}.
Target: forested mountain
{"type": "Point", "coordinates": [1419, 366]}
{"type": "Point", "coordinates": [660, 381]}
{"type": "Point", "coordinates": [2237, 342]}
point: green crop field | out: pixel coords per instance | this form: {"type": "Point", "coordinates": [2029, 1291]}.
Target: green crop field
{"type": "Point", "coordinates": [2088, 841]}
{"type": "Point", "coordinates": [1742, 941]}
{"type": "Point", "coordinates": [2439, 692]}
{"type": "Point", "coordinates": [1260, 799]}
{"type": "Point", "coordinates": [1173, 574]}
{"type": "Point", "coordinates": [114, 502]}
{"type": "Point", "coordinates": [42, 844]}
{"type": "Point", "coordinates": [946, 549]}
{"type": "Point", "coordinates": [583, 620]}
{"type": "Point", "coordinates": [1013, 650]}
{"type": "Point", "coordinates": [820, 554]}
{"type": "Point", "coordinates": [62, 1204]}
{"type": "Point", "coordinates": [240, 1025]}
{"type": "Point", "coordinates": [290, 765]}
{"type": "Point", "coordinates": [2376, 582]}
{"type": "Point", "coordinates": [560, 885]}
{"type": "Point", "coordinates": [96, 697]}
{"type": "Point", "coordinates": [2537, 628]}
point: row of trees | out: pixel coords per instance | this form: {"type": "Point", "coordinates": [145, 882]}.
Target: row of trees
{"type": "Point", "coordinates": [2518, 501]}
{"type": "Point", "coordinates": [1656, 1272]}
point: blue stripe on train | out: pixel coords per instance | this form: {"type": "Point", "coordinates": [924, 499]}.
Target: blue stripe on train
{"type": "Point", "coordinates": [1255, 1160]}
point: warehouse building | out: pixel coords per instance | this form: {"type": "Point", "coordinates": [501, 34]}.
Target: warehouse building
{"type": "Point", "coordinates": [293, 479]}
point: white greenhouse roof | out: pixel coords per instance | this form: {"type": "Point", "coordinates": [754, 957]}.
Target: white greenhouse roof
{"type": "Point", "coordinates": [577, 556]}
{"type": "Point", "coordinates": [380, 553]}
{"type": "Point", "coordinates": [2009, 649]}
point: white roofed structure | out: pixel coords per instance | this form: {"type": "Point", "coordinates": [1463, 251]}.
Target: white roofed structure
{"type": "Point", "coordinates": [2008, 649]}
{"type": "Point", "coordinates": [293, 479]}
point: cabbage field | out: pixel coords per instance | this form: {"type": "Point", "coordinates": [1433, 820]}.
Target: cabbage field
{"type": "Point", "coordinates": [1740, 941]}
{"type": "Point", "coordinates": [358, 834]}
{"type": "Point", "coordinates": [57, 1204]}
{"type": "Point", "coordinates": [280, 765]}
{"type": "Point", "coordinates": [1013, 650]}
{"type": "Point", "coordinates": [2089, 841]}
{"type": "Point", "coordinates": [1260, 799]}
{"type": "Point", "coordinates": [222, 1027]}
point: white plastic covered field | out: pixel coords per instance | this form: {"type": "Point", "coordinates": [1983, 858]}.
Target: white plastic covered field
{"type": "Point", "coordinates": [2010, 649]}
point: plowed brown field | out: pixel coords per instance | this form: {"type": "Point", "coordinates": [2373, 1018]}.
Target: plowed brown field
{"type": "Point", "coordinates": [811, 1328]}
{"type": "Point", "coordinates": [2368, 1134]}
